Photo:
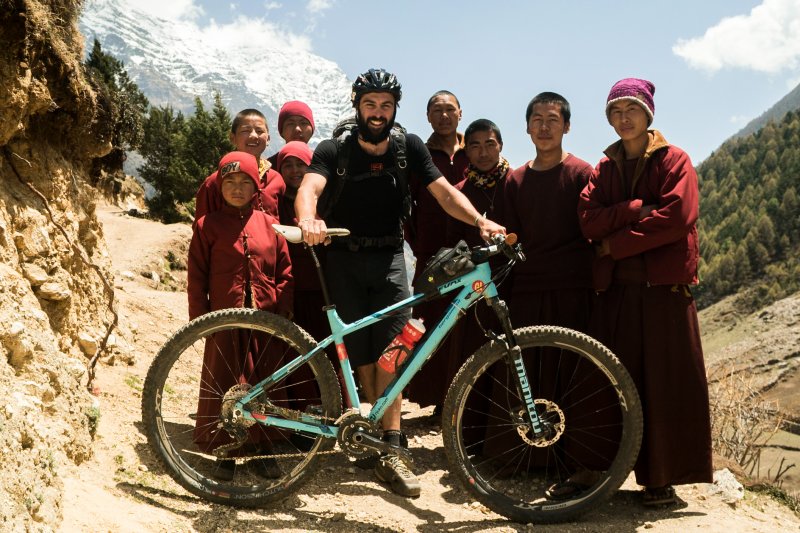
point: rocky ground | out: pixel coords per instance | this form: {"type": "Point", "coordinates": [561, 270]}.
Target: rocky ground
{"type": "Point", "coordinates": [124, 488]}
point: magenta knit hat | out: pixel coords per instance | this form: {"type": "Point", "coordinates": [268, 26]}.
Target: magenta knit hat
{"type": "Point", "coordinates": [238, 162]}
{"type": "Point", "coordinates": [635, 90]}
{"type": "Point", "coordinates": [297, 149]}
{"type": "Point", "coordinates": [295, 107]}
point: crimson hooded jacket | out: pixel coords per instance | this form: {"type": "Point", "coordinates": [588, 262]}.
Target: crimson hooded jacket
{"type": "Point", "coordinates": [233, 252]}
{"type": "Point", "coordinates": [667, 237]}
{"type": "Point", "coordinates": [271, 188]}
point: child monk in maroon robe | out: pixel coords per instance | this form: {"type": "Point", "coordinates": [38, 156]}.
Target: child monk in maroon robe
{"type": "Point", "coordinates": [249, 134]}
{"type": "Point", "coordinates": [235, 260]}
{"type": "Point", "coordinates": [640, 209]}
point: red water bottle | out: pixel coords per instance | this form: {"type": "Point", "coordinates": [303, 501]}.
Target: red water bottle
{"type": "Point", "coordinates": [401, 346]}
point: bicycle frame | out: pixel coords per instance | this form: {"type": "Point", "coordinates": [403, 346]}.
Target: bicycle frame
{"type": "Point", "coordinates": [473, 285]}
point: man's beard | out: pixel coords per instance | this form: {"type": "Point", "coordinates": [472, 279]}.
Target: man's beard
{"type": "Point", "coordinates": [366, 134]}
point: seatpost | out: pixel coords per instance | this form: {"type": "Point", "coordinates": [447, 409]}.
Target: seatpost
{"type": "Point", "coordinates": [320, 275]}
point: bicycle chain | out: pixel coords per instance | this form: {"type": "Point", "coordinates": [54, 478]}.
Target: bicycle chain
{"type": "Point", "coordinates": [292, 415]}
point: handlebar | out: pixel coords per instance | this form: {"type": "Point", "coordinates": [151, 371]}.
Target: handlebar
{"type": "Point", "coordinates": [505, 244]}
{"type": "Point", "coordinates": [294, 234]}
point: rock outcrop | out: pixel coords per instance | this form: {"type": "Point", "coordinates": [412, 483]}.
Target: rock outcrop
{"type": "Point", "coordinates": [51, 127]}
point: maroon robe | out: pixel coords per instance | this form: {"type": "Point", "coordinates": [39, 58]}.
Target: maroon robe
{"type": "Point", "coordinates": [553, 287]}
{"type": "Point", "coordinates": [645, 312]}
{"type": "Point", "coordinates": [426, 232]}
{"type": "Point", "coordinates": [308, 300]}
{"type": "Point", "coordinates": [236, 260]}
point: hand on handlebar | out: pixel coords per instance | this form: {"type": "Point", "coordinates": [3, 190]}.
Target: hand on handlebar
{"type": "Point", "coordinates": [489, 228]}
{"type": "Point", "coordinates": [314, 231]}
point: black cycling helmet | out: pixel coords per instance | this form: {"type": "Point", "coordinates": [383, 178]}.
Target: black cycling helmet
{"type": "Point", "coordinates": [376, 80]}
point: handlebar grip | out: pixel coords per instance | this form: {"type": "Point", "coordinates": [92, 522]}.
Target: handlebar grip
{"type": "Point", "coordinates": [294, 234]}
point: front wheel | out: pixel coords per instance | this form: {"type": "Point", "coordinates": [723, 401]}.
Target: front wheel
{"type": "Point", "coordinates": [589, 408]}
{"type": "Point", "coordinates": [193, 384]}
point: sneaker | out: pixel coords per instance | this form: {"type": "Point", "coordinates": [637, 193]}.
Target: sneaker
{"type": "Point", "coordinates": [391, 469]}
{"type": "Point", "coordinates": [224, 470]}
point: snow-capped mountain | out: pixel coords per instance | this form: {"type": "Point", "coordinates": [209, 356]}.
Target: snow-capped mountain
{"type": "Point", "coordinates": [171, 63]}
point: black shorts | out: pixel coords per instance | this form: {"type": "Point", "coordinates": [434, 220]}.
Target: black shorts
{"type": "Point", "coordinates": [361, 283]}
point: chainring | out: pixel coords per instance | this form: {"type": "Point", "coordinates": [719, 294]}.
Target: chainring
{"type": "Point", "coordinates": [351, 426]}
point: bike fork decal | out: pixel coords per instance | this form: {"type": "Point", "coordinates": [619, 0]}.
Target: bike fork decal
{"type": "Point", "coordinates": [526, 394]}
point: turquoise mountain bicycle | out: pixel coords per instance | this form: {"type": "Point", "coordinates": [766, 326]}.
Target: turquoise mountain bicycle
{"type": "Point", "coordinates": [531, 412]}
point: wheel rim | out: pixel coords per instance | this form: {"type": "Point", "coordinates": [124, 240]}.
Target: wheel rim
{"type": "Point", "coordinates": [186, 428]}
{"type": "Point", "coordinates": [594, 448]}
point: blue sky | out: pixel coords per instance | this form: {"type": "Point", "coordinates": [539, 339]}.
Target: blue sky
{"type": "Point", "coordinates": [716, 64]}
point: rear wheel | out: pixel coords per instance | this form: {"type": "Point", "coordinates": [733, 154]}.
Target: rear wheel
{"type": "Point", "coordinates": [589, 407]}
{"type": "Point", "coordinates": [200, 373]}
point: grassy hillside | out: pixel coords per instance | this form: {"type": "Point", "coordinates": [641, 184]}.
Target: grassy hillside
{"type": "Point", "coordinates": [750, 216]}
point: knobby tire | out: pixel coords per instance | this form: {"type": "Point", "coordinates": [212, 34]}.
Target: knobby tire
{"type": "Point", "coordinates": [173, 388]}
{"type": "Point", "coordinates": [575, 380]}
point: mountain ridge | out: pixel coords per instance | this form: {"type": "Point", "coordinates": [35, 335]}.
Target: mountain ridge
{"type": "Point", "coordinates": [171, 63]}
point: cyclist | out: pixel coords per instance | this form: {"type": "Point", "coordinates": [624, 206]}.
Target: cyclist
{"type": "Point", "coordinates": [366, 271]}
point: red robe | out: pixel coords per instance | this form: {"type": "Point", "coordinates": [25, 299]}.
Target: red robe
{"type": "Point", "coordinates": [235, 260]}
{"type": "Point", "coordinates": [271, 188]}
{"type": "Point", "coordinates": [426, 233]}
{"type": "Point", "coordinates": [645, 312]}
{"type": "Point", "coordinates": [308, 300]}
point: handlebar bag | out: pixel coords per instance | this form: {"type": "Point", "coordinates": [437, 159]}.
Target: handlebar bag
{"type": "Point", "coordinates": [444, 265]}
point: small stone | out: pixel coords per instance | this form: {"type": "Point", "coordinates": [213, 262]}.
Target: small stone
{"type": "Point", "coordinates": [127, 274]}
{"type": "Point", "coordinates": [16, 329]}
{"type": "Point", "coordinates": [649, 525]}
{"type": "Point", "coordinates": [35, 274]}
{"type": "Point", "coordinates": [351, 470]}
{"type": "Point", "coordinates": [155, 277]}
{"type": "Point", "coordinates": [143, 468]}
{"type": "Point", "coordinates": [54, 291]}
{"type": "Point", "coordinates": [87, 343]}
{"type": "Point", "coordinates": [418, 439]}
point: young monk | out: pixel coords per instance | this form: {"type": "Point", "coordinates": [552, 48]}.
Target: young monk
{"type": "Point", "coordinates": [236, 260]}
{"type": "Point", "coordinates": [640, 210]}
{"type": "Point", "coordinates": [249, 134]}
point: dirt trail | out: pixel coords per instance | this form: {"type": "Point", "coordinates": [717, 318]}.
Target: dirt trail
{"type": "Point", "coordinates": [124, 488]}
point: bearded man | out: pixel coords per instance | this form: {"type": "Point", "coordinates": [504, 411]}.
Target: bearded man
{"type": "Point", "coordinates": [366, 272]}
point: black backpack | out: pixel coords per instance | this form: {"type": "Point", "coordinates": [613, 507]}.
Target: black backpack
{"type": "Point", "coordinates": [346, 135]}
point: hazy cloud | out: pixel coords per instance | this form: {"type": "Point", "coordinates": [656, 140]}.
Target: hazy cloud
{"type": "Point", "coordinates": [272, 5]}
{"type": "Point", "coordinates": [766, 40]}
{"type": "Point", "coordinates": [170, 10]}
{"type": "Point", "coordinates": [317, 6]}
{"type": "Point", "coordinates": [238, 35]}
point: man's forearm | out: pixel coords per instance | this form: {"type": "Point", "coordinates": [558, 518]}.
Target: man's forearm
{"type": "Point", "coordinates": [458, 206]}
{"type": "Point", "coordinates": [305, 204]}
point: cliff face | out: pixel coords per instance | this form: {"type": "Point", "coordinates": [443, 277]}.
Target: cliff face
{"type": "Point", "coordinates": [52, 302]}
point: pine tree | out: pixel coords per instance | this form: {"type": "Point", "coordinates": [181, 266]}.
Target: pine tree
{"type": "Point", "coordinates": [161, 148]}
{"type": "Point", "coordinates": [123, 104]}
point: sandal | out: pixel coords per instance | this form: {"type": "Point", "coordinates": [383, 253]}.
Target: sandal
{"type": "Point", "coordinates": [572, 486]}
{"type": "Point", "coordinates": [564, 490]}
{"type": "Point", "coordinates": [655, 496]}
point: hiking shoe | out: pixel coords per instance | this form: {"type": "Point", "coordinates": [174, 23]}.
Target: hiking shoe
{"type": "Point", "coordinates": [224, 470]}
{"type": "Point", "coordinates": [391, 469]}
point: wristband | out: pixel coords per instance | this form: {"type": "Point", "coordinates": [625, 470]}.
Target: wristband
{"type": "Point", "coordinates": [477, 219]}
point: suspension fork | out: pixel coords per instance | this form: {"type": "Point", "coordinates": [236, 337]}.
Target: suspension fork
{"type": "Point", "coordinates": [516, 364]}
